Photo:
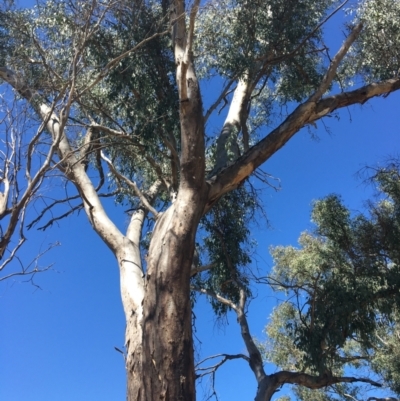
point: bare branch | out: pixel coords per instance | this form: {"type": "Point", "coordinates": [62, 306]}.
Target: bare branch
{"type": "Point", "coordinates": [131, 184]}
{"type": "Point", "coordinates": [134, 230]}
{"type": "Point", "coordinates": [233, 124]}
{"type": "Point", "coordinates": [331, 72]}
{"type": "Point", "coordinates": [203, 371]}
{"type": "Point", "coordinates": [256, 362]}
{"type": "Point", "coordinates": [225, 92]}
{"type": "Point", "coordinates": [32, 268]}
{"type": "Point", "coordinates": [66, 214]}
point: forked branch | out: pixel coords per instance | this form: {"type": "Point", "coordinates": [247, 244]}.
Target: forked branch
{"type": "Point", "coordinates": [131, 184]}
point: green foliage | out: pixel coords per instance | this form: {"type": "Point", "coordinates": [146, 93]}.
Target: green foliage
{"type": "Point", "coordinates": [250, 30]}
{"type": "Point", "coordinates": [343, 288]}
{"type": "Point", "coordinates": [280, 345]}
{"type": "Point", "coordinates": [138, 97]}
{"type": "Point", "coordinates": [140, 94]}
{"type": "Point", "coordinates": [279, 47]}
{"type": "Point", "coordinates": [342, 391]}
{"type": "Point", "coordinates": [376, 53]}
{"type": "Point", "coordinates": [227, 244]}
{"type": "Point", "coordinates": [386, 361]}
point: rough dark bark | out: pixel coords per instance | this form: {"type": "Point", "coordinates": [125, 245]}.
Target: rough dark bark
{"type": "Point", "coordinates": [167, 360]}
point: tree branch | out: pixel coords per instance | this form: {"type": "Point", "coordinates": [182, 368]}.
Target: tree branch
{"type": "Point", "coordinates": [74, 170]}
{"type": "Point", "coordinates": [28, 270]}
{"type": "Point", "coordinates": [200, 269]}
{"type": "Point", "coordinates": [216, 296]}
{"type": "Point", "coordinates": [256, 362]}
{"type": "Point", "coordinates": [189, 44]}
{"type": "Point", "coordinates": [331, 72]}
{"type": "Point", "coordinates": [212, 369]}
{"type": "Point", "coordinates": [222, 95]}
{"type": "Point", "coordinates": [232, 176]}
{"type": "Point", "coordinates": [136, 224]}
{"type": "Point", "coordinates": [131, 185]}
{"type": "Point", "coordinates": [317, 382]}
{"type": "Point", "coordinates": [235, 120]}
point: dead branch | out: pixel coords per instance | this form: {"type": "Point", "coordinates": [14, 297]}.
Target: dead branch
{"type": "Point", "coordinates": [204, 371]}
{"type": "Point", "coordinates": [32, 268]}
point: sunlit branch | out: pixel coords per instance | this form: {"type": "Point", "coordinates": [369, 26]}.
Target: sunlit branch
{"type": "Point", "coordinates": [19, 205]}
{"type": "Point", "coordinates": [189, 43]}
{"type": "Point", "coordinates": [134, 230]}
{"type": "Point", "coordinates": [331, 72]}
{"type": "Point", "coordinates": [214, 295]}
{"type": "Point", "coordinates": [231, 177]}
{"type": "Point", "coordinates": [200, 269]}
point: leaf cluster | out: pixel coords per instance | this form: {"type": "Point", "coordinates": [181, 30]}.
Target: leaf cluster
{"type": "Point", "coordinates": [280, 41]}
{"type": "Point", "coordinates": [343, 285]}
{"type": "Point", "coordinates": [227, 244]}
{"type": "Point", "coordinates": [376, 53]}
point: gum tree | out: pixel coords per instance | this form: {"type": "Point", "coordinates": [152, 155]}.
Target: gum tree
{"type": "Point", "coordinates": [342, 286]}
{"type": "Point", "coordinates": [116, 87]}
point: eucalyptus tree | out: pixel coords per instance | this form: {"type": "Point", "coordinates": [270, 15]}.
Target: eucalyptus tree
{"type": "Point", "coordinates": [116, 86]}
{"type": "Point", "coordinates": [342, 286]}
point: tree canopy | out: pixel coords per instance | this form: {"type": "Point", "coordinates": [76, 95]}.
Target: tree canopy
{"type": "Point", "coordinates": [342, 287]}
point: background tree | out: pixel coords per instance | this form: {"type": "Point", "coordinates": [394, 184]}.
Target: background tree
{"type": "Point", "coordinates": [115, 86]}
{"type": "Point", "coordinates": [342, 288]}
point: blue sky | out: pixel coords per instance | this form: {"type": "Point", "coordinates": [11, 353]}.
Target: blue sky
{"type": "Point", "coordinates": [57, 343]}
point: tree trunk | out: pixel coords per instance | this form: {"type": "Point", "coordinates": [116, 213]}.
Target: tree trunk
{"type": "Point", "coordinates": [162, 366]}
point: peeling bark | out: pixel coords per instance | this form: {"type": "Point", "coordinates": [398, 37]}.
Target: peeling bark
{"type": "Point", "coordinates": [227, 146]}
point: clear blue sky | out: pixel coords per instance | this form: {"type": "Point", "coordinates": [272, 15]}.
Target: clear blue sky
{"type": "Point", "coordinates": [57, 343]}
